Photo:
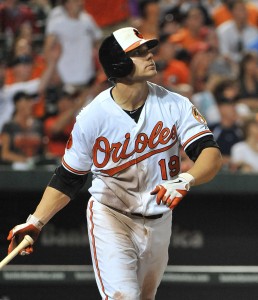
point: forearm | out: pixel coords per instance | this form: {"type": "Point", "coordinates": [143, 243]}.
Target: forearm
{"type": "Point", "coordinates": [52, 54]}
{"type": "Point", "coordinates": [206, 166]}
{"type": "Point", "coordinates": [45, 78]}
{"type": "Point", "coordinates": [52, 202]}
{"type": "Point", "coordinates": [13, 157]}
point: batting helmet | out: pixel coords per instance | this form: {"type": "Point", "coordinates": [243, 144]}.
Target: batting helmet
{"type": "Point", "coordinates": [113, 51]}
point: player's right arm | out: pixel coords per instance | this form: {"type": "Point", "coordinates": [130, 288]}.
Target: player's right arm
{"type": "Point", "coordinates": [62, 187]}
{"type": "Point", "coordinates": [51, 203]}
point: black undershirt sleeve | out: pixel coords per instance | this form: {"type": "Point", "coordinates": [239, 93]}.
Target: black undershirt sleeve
{"type": "Point", "coordinates": [195, 149]}
{"type": "Point", "coordinates": [66, 182]}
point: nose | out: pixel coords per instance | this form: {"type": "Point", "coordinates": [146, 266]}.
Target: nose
{"type": "Point", "coordinates": [149, 55]}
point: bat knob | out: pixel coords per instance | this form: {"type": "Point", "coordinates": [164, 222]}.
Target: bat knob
{"type": "Point", "coordinates": [29, 239]}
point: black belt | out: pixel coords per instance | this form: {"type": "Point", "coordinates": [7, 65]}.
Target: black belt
{"type": "Point", "coordinates": [153, 217]}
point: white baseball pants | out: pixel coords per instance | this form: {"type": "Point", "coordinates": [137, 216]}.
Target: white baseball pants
{"type": "Point", "coordinates": [129, 254]}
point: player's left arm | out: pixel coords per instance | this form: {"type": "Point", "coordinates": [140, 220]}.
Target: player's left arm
{"type": "Point", "coordinates": [206, 166]}
{"type": "Point", "coordinates": [207, 162]}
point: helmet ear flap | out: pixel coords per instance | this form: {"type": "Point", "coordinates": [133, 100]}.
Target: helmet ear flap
{"type": "Point", "coordinates": [113, 59]}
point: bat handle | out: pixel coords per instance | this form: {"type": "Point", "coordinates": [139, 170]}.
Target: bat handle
{"type": "Point", "coordinates": [27, 240]}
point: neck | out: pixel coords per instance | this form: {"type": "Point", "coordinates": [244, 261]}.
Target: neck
{"type": "Point", "coordinates": [130, 97]}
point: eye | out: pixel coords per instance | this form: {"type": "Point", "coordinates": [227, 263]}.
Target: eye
{"type": "Point", "coordinates": [136, 53]}
{"type": "Point", "coordinates": [139, 52]}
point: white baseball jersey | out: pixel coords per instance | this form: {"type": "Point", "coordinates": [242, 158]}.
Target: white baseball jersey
{"type": "Point", "coordinates": [128, 159]}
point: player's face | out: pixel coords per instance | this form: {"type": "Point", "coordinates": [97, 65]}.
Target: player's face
{"type": "Point", "coordinates": [144, 65]}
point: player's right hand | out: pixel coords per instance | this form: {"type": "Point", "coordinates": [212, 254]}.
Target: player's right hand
{"type": "Point", "coordinates": [32, 227]}
{"type": "Point", "coordinates": [170, 193]}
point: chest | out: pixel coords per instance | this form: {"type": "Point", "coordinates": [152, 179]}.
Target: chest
{"type": "Point", "coordinates": [122, 139]}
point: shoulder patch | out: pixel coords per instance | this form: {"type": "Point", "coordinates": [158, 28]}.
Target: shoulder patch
{"type": "Point", "coordinates": [198, 116]}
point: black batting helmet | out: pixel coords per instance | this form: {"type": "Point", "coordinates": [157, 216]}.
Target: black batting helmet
{"type": "Point", "coordinates": [113, 51]}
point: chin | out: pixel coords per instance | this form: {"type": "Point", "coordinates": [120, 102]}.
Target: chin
{"type": "Point", "coordinates": [151, 74]}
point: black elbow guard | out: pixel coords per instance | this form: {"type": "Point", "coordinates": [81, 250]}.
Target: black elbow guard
{"type": "Point", "coordinates": [66, 182]}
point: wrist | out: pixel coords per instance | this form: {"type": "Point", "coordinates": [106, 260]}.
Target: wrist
{"type": "Point", "coordinates": [188, 177]}
{"type": "Point", "coordinates": [35, 221]}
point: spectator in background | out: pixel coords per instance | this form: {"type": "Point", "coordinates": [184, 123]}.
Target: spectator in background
{"type": "Point", "coordinates": [58, 128]}
{"type": "Point", "coordinates": [175, 72]}
{"type": "Point", "coordinates": [209, 62]}
{"type": "Point", "coordinates": [149, 18]}
{"type": "Point", "coordinates": [24, 63]}
{"type": "Point", "coordinates": [206, 102]}
{"type": "Point", "coordinates": [116, 13]}
{"type": "Point", "coordinates": [192, 36]}
{"type": "Point", "coordinates": [22, 137]}
{"type": "Point", "coordinates": [228, 89]}
{"type": "Point", "coordinates": [35, 86]}
{"type": "Point", "coordinates": [78, 34]}
{"type": "Point", "coordinates": [222, 13]}
{"type": "Point", "coordinates": [41, 9]}
{"type": "Point", "coordinates": [244, 155]}
{"type": "Point", "coordinates": [169, 23]}
{"type": "Point", "coordinates": [13, 15]}
{"type": "Point", "coordinates": [235, 35]}
{"type": "Point", "coordinates": [228, 131]}
{"type": "Point", "coordinates": [248, 81]}
{"type": "Point", "coordinates": [182, 6]}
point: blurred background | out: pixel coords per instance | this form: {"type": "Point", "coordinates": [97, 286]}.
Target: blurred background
{"type": "Point", "coordinates": [49, 70]}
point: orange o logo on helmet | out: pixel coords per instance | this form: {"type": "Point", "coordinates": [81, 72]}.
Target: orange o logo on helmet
{"type": "Point", "coordinates": [198, 116]}
{"type": "Point", "coordinates": [69, 142]}
{"type": "Point", "coordinates": [138, 34]}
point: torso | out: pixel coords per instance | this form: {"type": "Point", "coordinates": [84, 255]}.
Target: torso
{"type": "Point", "coordinates": [127, 158]}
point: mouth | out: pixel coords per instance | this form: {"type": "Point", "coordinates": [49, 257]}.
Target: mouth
{"type": "Point", "coordinates": [152, 65]}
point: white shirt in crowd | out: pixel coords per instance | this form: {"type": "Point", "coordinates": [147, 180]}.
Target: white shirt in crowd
{"type": "Point", "coordinates": [242, 153]}
{"type": "Point", "coordinates": [6, 98]}
{"type": "Point", "coordinates": [77, 37]}
{"type": "Point", "coordinates": [230, 38]}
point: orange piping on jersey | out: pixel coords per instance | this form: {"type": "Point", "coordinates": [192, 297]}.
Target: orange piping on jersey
{"type": "Point", "coordinates": [94, 249]}
{"type": "Point", "coordinates": [132, 162]}
{"type": "Point", "coordinates": [195, 136]}
{"type": "Point", "coordinates": [73, 170]}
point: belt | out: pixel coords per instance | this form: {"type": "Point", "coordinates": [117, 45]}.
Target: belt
{"type": "Point", "coordinates": [153, 217]}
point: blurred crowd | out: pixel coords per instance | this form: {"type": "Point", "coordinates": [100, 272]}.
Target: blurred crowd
{"type": "Point", "coordinates": [49, 70]}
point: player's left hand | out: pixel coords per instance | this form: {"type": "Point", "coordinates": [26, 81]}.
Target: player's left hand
{"type": "Point", "coordinates": [172, 192]}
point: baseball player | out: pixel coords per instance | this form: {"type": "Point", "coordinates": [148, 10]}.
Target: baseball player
{"type": "Point", "coordinates": [129, 138]}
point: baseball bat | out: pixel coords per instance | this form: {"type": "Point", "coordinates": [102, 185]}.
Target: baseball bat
{"type": "Point", "coordinates": [23, 244]}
